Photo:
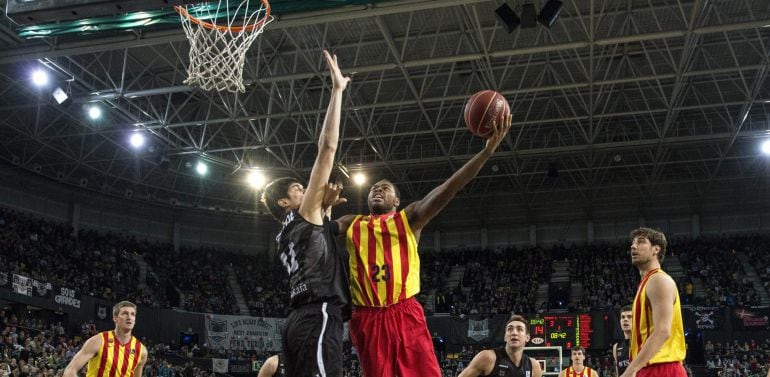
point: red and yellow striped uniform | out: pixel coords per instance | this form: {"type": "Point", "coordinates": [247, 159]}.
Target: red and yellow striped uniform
{"type": "Point", "coordinates": [642, 326]}
{"type": "Point", "coordinates": [115, 359]}
{"type": "Point", "coordinates": [384, 264]}
{"type": "Point", "coordinates": [586, 372]}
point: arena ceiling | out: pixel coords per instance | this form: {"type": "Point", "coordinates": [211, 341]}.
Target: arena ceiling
{"type": "Point", "coordinates": [621, 106]}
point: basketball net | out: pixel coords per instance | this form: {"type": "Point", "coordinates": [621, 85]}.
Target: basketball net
{"type": "Point", "coordinates": [218, 51]}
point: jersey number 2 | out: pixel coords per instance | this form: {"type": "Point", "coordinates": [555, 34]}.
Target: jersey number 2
{"type": "Point", "coordinates": [385, 269]}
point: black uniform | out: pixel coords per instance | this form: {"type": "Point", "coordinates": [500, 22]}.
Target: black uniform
{"type": "Point", "coordinates": [280, 370]}
{"type": "Point", "coordinates": [504, 366]}
{"type": "Point", "coordinates": [623, 357]}
{"type": "Point", "coordinates": [320, 297]}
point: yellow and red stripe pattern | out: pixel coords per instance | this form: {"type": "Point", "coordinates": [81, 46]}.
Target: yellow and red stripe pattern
{"type": "Point", "coordinates": [384, 264]}
{"type": "Point", "coordinates": [115, 359]}
{"type": "Point", "coordinates": [642, 326]}
{"type": "Point", "coordinates": [587, 372]}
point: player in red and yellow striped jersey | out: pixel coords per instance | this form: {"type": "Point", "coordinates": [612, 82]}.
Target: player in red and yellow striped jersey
{"type": "Point", "coordinates": [657, 331]}
{"type": "Point", "coordinates": [113, 353]}
{"type": "Point", "coordinates": [578, 367]}
{"type": "Point", "coordinates": [388, 325]}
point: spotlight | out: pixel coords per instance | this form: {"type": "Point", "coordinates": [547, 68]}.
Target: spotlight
{"type": "Point", "coordinates": [766, 147]}
{"type": "Point", "coordinates": [137, 140]}
{"type": "Point", "coordinates": [94, 112]}
{"type": "Point", "coordinates": [550, 12]}
{"type": "Point", "coordinates": [256, 179]}
{"type": "Point", "coordinates": [359, 179]}
{"type": "Point", "coordinates": [508, 17]}
{"type": "Point", "coordinates": [201, 168]}
{"type": "Point", "coordinates": [39, 77]}
{"type": "Point", "coordinates": [60, 95]}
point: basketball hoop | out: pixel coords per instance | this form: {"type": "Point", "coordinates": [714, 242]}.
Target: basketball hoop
{"type": "Point", "coordinates": [218, 50]}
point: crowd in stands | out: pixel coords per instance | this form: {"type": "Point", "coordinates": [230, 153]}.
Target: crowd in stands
{"type": "Point", "coordinates": [99, 265]}
{"type": "Point", "coordinates": [609, 281]}
{"type": "Point", "coordinates": [458, 282]}
{"type": "Point", "coordinates": [715, 262]}
{"type": "Point", "coordinates": [490, 281]}
{"type": "Point", "coordinates": [606, 275]}
{"type": "Point", "coordinates": [500, 281]}
{"type": "Point", "coordinates": [201, 275]}
{"type": "Point", "coordinates": [738, 359]}
{"type": "Point", "coordinates": [32, 347]}
{"type": "Point", "coordinates": [37, 347]}
{"type": "Point", "coordinates": [759, 255]}
{"type": "Point", "coordinates": [263, 287]}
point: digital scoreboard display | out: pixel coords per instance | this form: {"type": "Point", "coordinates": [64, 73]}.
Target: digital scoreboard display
{"type": "Point", "coordinates": [566, 330]}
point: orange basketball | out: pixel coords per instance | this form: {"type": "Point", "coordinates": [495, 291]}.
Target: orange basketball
{"type": "Point", "coordinates": [482, 109]}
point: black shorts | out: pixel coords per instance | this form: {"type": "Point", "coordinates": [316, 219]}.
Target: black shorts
{"type": "Point", "coordinates": [312, 341]}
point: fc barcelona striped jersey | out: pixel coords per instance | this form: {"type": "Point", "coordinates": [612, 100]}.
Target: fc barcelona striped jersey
{"type": "Point", "coordinates": [587, 372]}
{"type": "Point", "coordinates": [384, 264]}
{"type": "Point", "coordinates": [115, 359]}
{"type": "Point", "coordinates": [642, 326]}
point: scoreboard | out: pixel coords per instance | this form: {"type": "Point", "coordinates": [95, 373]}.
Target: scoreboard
{"type": "Point", "coordinates": [566, 330]}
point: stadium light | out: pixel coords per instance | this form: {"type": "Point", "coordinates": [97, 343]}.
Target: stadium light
{"type": "Point", "coordinates": [201, 168]}
{"type": "Point", "coordinates": [60, 96]}
{"type": "Point", "coordinates": [94, 112]}
{"type": "Point", "coordinates": [766, 147]}
{"type": "Point", "coordinates": [256, 179]}
{"type": "Point", "coordinates": [508, 17]}
{"type": "Point", "coordinates": [40, 77]}
{"type": "Point", "coordinates": [136, 140]}
{"type": "Point", "coordinates": [550, 12]}
{"type": "Point", "coordinates": [359, 179]}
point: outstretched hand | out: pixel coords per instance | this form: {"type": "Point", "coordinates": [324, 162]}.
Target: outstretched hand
{"type": "Point", "coordinates": [338, 81]}
{"type": "Point", "coordinates": [332, 195]}
{"type": "Point", "coordinates": [499, 130]}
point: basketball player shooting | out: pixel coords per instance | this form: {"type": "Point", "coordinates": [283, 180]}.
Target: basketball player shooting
{"type": "Point", "coordinates": [388, 326]}
{"type": "Point", "coordinates": [318, 280]}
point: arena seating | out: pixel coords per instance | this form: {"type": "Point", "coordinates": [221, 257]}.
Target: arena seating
{"type": "Point", "coordinates": [460, 282]}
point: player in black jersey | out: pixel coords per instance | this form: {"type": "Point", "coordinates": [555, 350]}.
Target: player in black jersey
{"type": "Point", "coordinates": [318, 276]}
{"type": "Point", "coordinates": [508, 361]}
{"type": "Point", "coordinates": [273, 367]}
{"type": "Point", "coordinates": [620, 350]}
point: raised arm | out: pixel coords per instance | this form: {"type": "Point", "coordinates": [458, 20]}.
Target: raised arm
{"type": "Point", "coordinates": [332, 198]}
{"type": "Point", "coordinates": [89, 350]}
{"type": "Point", "coordinates": [661, 291]}
{"type": "Point", "coordinates": [422, 211]}
{"type": "Point", "coordinates": [310, 209]}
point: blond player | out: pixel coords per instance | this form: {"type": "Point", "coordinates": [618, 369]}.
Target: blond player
{"type": "Point", "coordinates": [114, 353]}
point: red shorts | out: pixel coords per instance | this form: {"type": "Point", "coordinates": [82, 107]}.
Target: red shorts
{"type": "Point", "coordinates": [393, 341]}
{"type": "Point", "coordinates": [673, 369]}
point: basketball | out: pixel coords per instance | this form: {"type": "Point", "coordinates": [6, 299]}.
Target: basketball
{"type": "Point", "coordinates": [482, 109]}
